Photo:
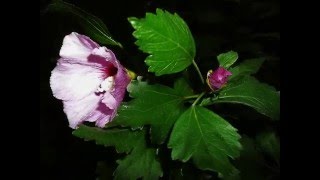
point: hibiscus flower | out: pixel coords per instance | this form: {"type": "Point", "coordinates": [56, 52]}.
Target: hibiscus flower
{"type": "Point", "coordinates": [89, 80]}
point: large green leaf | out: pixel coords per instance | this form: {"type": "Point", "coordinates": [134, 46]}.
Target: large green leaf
{"type": "Point", "coordinates": [227, 59]}
{"type": "Point", "coordinates": [247, 67]}
{"type": "Point", "coordinates": [182, 87]}
{"type": "Point", "coordinates": [150, 104]}
{"type": "Point", "coordinates": [124, 140]}
{"type": "Point", "coordinates": [156, 105]}
{"type": "Point", "coordinates": [249, 91]}
{"type": "Point", "coordinates": [207, 138]}
{"type": "Point", "coordinates": [250, 163]}
{"type": "Point", "coordinates": [141, 163]}
{"type": "Point", "coordinates": [168, 40]}
{"type": "Point", "coordinates": [92, 25]}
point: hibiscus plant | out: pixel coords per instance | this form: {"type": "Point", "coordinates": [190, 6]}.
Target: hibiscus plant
{"type": "Point", "coordinates": [110, 104]}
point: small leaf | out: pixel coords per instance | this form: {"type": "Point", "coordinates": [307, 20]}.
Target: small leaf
{"type": "Point", "coordinates": [247, 67]}
{"type": "Point", "coordinates": [205, 137]}
{"type": "Point", "coordinates": [249, 91]}
{"type": "Point", "coordinates": [124, 140]}
{"type": "Point", "coordinates": [156, 105]}
{"type": "Point", "coordinates": [92, 25]}
{"type": "Point", "coordinates": [168, 40]}
{"type": "Point", "coordinates": [227, 59]}
{"type": "Point", "coordinates": [141, 163]}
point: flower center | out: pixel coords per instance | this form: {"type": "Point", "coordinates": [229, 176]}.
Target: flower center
{"type": "Point", "coordinates": [110, 69]}
{"type": "Point", "coordinates": [107, 85]}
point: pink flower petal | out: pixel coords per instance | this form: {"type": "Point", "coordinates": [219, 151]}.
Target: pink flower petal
{"type": "Point", "coordinates": [106, 115]}
{"type": "Point", "coordinates": [81, 110]}
{"type": "Point", "coordinates": [77, 47]}
{"type": "Point", "coordinates": [74, 81]}
{"type": "Point", "coordinates": [104, 52]}
{"type": "Point", "coordinates": [109, 101]}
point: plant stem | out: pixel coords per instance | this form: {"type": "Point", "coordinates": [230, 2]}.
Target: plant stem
{"type": "Point", "coordinates": [199, 97]}
{"type": "Point", "coordinates": [198, 70]}
{"type": "Point", "coordinates": [191, 97]}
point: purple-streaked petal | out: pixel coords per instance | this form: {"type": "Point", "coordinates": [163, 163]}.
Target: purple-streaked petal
{"type": "Point", "coordinates": [102, 115]}
{"type": "Point", "coordinates": [74, 81]}
{"type": "Point", "coordinates": [107, 115]}
{"type": "Point", "coordinates": [89, 109]}
{"type": "Point", "coordinates": [108, 67]}
{"type": "Point", "coordinates": [101, 122]}
{"type": "Point", "coordinates": [82, 110]}
{"type": "Point", "coordinates": [121, 81]}
{"type": "Point", "coordinates": [109, 101]}
{"type": "Point", "coordinates": [76, 46]}
{"type": "Point", "coordinates": [105, 53]}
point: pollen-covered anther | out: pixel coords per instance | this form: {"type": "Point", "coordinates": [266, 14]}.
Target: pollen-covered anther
{"type": "Point", "coordinates": [107, 85]}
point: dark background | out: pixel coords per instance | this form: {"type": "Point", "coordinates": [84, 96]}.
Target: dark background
{"type": "Point", "coordinates": [250, 27]}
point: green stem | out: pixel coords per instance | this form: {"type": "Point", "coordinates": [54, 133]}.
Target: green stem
{"type": "Point", "coordinates": [198, 70]}
{"type": "Point", "coordinates": [214, 98]}
{"type": "Point", "coordinates": [191, 97]}
{"type": "Point", "coordinates": [199, 97]}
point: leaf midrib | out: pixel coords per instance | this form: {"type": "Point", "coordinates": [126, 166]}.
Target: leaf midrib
{"type": "Point", "coordinates": [254, 100]}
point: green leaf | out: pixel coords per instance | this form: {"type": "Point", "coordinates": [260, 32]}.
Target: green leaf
{"type": "Point", "coordinates": [269, 143]}
{"type": "Point", "coordinates": [160, 130]}
{"type": "Point", "coordinates": [205, 137]}
{"type": "Point", "coordinates": [249, 91]}
{"type": "Point", "coordinates": [157, 105]}
{"type": "Point", "coordinates": [235, 175]}
{"type": "Point", "coordinates": [182, 87]}
{"type": "Point", "coordinates": [92, 25]}
{"type": "Point", "coordinates": [227, 59]}
{"type": "Point", "coordinates": [207, 101]}
{"type": "Point", "coordinates": [251, 162]}
{"type": "Point", "coordinates": [247, 67]}
{"type": "Point", "coordinates": [124, 140]}
{"type": "Point", "coordinates": [141, 163]}
{"type": "Point", "coordinates": [168, 40]}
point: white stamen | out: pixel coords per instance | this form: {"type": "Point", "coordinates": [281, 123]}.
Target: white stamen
{"type": "Point", "coordinates": [107, 85]}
